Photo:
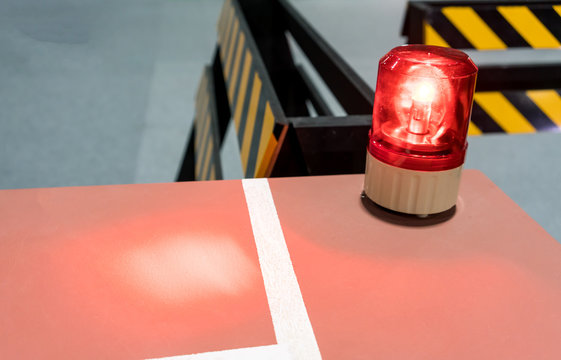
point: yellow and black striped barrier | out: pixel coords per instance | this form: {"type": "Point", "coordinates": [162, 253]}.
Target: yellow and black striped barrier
{"type": "Point", "coordinates": [498, 25]}
{"type": "Point", "coordinates": [206, 141]}
{"type": "Point", "coordinates": [491, 25]}
{"type": "Point", "coordinates": [515, 112]}
{"type": "Point", "coordinates": [256, 113]}
{"type": "Point", "coordinates": [237, 90]}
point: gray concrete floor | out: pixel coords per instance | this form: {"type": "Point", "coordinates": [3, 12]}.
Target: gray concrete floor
{"type": "Point", "coordinates": [98, 91]}
{"type": "Point", "coordinates": [102, 92]}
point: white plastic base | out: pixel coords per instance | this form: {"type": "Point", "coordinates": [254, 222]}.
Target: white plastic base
{"type": "Point", "coordinates": [411, 191]}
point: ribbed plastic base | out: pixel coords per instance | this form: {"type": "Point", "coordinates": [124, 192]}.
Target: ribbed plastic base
{"type": "Point", "coordinates": [411, 191]}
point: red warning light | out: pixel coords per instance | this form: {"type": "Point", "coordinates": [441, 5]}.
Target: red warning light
{"type": "Point", "coordinates": [422, 108]}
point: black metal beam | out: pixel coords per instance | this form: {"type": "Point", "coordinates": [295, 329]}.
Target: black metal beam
{"type": "Point", "coordinates": [333, 145]}
{"type": "Point", "coordinates": [268, 30]}
{"type": "Point", "coordinates": [187, 170]}
{"type": "Point", "coordinates": [352, 92]}
{"type": "Point", "coordinates": [290, 160]}
{"type": "Point", "coordinates": [519, 77]}
{"type": "Point", "coordinates": [413, 24]}
{"type": "Point", "coordinates": [220, 96]}
{"type": "Point", "coordinates": [480, 2]}
{"type": "Point", "coordinates": [313, 93]}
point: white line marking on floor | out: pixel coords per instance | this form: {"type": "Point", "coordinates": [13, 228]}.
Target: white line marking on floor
{"type": "Point", "coordinates": [269, 352]}
{"type": "Point", "coordinates": [288, 311]}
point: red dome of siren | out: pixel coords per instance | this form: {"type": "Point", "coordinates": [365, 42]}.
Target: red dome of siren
{"type": "Point", "coordinates": [422, 107]}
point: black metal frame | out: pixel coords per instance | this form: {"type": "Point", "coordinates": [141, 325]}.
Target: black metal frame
{"type": "Point", "coordinates": [419, 10]}
{"type": "Point", "coordinates": [500, 76]}
{"type": "Point", "coordinates": [519, 77]}
{"type": "Point", "coordinates": [327, 144]}
{"type": "Point", "coordinates": [269, 22]}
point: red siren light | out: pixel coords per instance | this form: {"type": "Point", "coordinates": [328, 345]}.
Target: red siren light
{"type": "Point", "coordinates": [421, 115]}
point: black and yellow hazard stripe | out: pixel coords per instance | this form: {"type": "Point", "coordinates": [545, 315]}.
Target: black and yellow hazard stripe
{"type": "Point", "coordinates": [516, 111]}
{"type": "Point", "coordinates": [249, 96]}
{"type": "Point", "coordinates": [256, 133]}
{"type": "Point", "coordinates": [207, 149]}
{"type": "Point", "coordinates": [494, 27]}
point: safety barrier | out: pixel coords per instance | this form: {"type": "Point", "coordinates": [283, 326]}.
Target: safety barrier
{"type": "Point", "coordinates": [255, 86]}
{"type": "Point", "coordinates": [484, 25]}
{"type": "Point", "coordinates": [509, 98]}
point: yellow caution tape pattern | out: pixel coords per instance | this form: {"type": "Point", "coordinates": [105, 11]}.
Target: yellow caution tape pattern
{"type": "Point", "coordinates": [470, 24]}
{"type": "Point", "coordinates": [516, 112]}
{"type": "Point", "coordinates": [249, 99]}
{"type": "Point", "coordinates": [486, 27]}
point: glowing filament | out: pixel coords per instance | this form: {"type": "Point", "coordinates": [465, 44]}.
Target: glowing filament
{"type": "Point", "coordinates": [419, 115]}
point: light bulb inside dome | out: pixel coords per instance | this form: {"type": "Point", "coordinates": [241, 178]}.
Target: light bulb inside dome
{"type": "Point", "coordinates": [419, 126]}
{"type": "Point", "coordinates": [424, 91]}
{"type": "Point", "coordinates": [419, 114]}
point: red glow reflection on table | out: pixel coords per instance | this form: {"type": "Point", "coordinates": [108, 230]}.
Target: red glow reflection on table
{"type": "Point", "coordinates": [136, 271]}
{"type": "Point", "coordinates": [484, 285]}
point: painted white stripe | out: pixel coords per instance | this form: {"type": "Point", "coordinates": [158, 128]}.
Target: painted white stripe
{"type": "Point", "coordinates": [293, 330]}
{"type": "Point", "coordinates": [269, 352]}
{"type": "Point", "coordinates": [288, 311]}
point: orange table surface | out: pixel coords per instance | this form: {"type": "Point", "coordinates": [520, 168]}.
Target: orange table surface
{"type": "Point", "coordinates": [158, 270]}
